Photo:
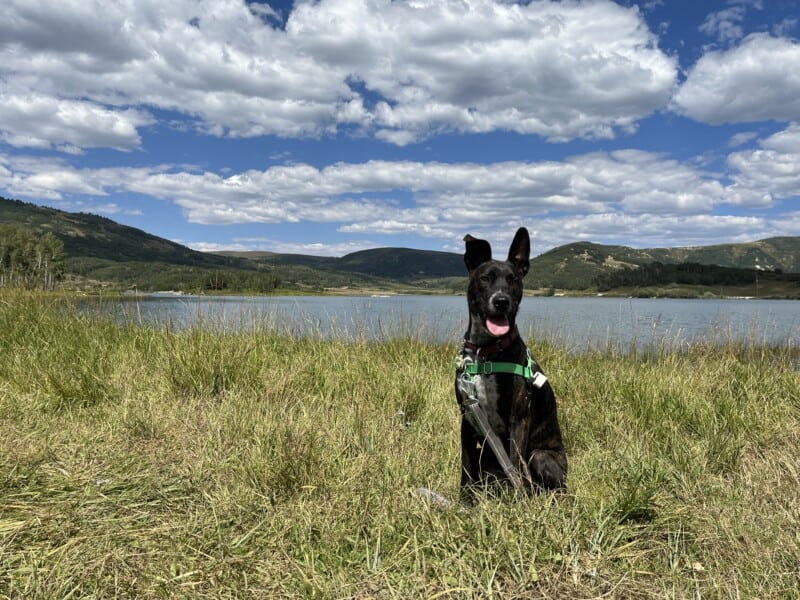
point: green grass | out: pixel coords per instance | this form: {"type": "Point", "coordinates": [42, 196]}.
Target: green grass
{"type": "Point", "coordinates": [140, 462]}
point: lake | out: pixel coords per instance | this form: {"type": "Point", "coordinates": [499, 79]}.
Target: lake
{"type": "Point", "coordinates": [579, 323]}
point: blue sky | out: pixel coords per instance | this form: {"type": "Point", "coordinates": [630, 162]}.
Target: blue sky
{"type": "Point", "coordinates": [333, 126]}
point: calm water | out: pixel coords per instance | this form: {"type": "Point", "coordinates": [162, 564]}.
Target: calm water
{"type": "Point", "coordinates": [580, 323]}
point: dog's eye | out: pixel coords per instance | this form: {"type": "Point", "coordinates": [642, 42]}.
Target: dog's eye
{"type": "Point", "coordinates": [486, 278]}
{"type": "Point", "coordinates": [512, 279]}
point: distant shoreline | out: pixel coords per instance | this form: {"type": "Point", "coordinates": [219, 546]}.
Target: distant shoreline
{"type": "Point", "coordinates": [377, 293]}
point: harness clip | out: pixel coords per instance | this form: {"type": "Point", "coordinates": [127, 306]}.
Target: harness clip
{"type": "Point", "coordinates": [539, 380]}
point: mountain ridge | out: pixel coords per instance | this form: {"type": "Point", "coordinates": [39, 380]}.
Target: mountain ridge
{"type": "Point", "coordinates": [571, 266]}
{"type": "Point", "coordinates": [100, 248]}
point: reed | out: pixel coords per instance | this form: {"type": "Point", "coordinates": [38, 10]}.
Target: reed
{"type": "Point", "coordinates": [151, 462]}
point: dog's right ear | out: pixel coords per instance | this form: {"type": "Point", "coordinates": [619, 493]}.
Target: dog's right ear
{"type": "Point", "coordinates": [478, 252]}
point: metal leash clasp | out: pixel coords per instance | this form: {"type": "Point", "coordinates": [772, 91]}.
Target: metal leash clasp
{"type": "Point", "coordinates": [466, 382]}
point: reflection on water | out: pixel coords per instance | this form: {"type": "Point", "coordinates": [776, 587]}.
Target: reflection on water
{"type": "Point", "coordinates": [580, 323]}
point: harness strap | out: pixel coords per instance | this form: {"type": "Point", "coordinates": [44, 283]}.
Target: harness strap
{"type": "Point", "coordinates": [530, 371]}
{"type": "Point", "coordinates": [487, 368]}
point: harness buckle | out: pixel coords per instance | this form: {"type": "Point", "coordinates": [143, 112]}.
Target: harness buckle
{"type": "Point", "coordinates": [539, 380]}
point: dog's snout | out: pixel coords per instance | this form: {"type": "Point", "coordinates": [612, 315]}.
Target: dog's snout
{"type": "Point", "coordinates": [501, 303]}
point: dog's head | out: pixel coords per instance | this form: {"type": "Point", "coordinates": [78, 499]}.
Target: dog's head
{"type": "Point", "coordinates": [495, 286]}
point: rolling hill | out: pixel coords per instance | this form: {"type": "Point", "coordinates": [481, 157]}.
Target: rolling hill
{"type": "Point", "coordinates": [88, 236]}
{"type": "Point", "coordinates": [573, 266]}
{"type": "Point", "coordinates": [403, 264]}
{"type": "Point", "coordinates": [100, 249]}
{"type": "Point", "coordinates": [577, 265]}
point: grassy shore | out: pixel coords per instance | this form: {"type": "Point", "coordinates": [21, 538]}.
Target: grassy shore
{"type": "Point", "coordinates": [142, 462]}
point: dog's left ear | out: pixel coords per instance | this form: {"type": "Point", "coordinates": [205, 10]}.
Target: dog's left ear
{"type": "Point", "coordinates": [520, 252]}
{"type": "Point", "coordinates": [477, 252]}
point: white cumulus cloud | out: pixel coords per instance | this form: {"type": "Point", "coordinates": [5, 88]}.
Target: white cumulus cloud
{"type": "Point", "coordinates": [40, 121]}
{"type": "Point", "coordinates": [754, 81]}
{"type": "Point", "coordinates": [401, 71]}
{"type": "Point", "coordinates": [429, 199]}
{"type": "Point", "coordinates": [601, 196]}
{"type": "Point", "coordinates": [767, 174]}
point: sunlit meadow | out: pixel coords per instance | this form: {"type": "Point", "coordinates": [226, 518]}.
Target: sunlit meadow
{"type": "Point", "coordinates": [154, 462]}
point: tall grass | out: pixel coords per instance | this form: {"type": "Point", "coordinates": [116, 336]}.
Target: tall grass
{"type": "Point", "coordinates": [142, 462]}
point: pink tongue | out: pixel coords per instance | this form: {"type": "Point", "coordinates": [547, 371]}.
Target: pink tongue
{"type": "Point", "coordinates": [497, 326]}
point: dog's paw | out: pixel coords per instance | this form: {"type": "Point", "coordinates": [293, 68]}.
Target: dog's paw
{"type": "Point", "coordinates": [548, 469]}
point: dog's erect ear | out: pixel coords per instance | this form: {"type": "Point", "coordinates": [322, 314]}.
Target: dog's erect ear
{"type": "Point", "coordinates": [520, 252]}
{"type": "Point", "coordinates": [478, 252]}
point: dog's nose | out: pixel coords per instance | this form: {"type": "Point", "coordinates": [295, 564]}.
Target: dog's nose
{"type": "Point", "coordinates": [501, 303]}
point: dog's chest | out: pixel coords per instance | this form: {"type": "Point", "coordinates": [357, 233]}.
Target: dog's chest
{"type": "Point", "coordinates": [490, 400]}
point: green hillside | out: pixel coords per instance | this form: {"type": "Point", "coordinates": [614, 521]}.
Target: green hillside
{"type": "Point", "coordinates": [578, 266]}
{"type": "Point", "coordinates": [88, 236]}
{"type": "Point", "coordinates": [101, 252]}
{"type": "Point", "coordinates": [777, 253]}
{"type": "Point", "coordinates": [404, 264]}
{"type": "Point", "coordinates": [402, 269]}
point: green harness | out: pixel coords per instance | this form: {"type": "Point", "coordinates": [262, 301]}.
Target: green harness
{"type": "Point", "coordinates": [529, 371]}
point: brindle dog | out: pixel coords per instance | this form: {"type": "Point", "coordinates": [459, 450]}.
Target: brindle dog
{"type": "Point", "coordinates": [522, 412]}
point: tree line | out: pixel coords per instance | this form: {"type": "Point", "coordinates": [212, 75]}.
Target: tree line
{"type": "Point", "coordinates": [657, 273]}
{"type": "Point", "coordinates": [28, 260]}
{"type": "Point", "coordinates": [239, 281]}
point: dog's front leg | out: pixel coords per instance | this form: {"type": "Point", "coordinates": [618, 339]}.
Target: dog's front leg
{"type": "Point", "coordinates": [518, 443]}
{"type": "Point", "coordinates": [470, 463]}
{"type": "Point", "coordinates": [547, 461]}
